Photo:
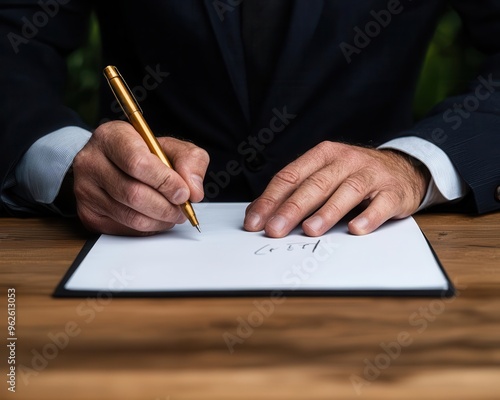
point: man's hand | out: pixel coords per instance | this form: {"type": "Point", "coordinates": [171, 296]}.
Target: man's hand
{"type": "Point", "coordinates": [122, 188]}
{"type": "Point", "coordinates": [330, 180]}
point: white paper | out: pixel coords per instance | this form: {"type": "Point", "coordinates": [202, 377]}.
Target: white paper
{"type": "Point", "coordinates": [224, 257]}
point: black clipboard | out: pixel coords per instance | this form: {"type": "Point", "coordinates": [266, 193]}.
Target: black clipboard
{"type": "Point", "coordinates": [62, 292]}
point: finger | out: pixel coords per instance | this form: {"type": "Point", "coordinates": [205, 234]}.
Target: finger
{"type": "Point", "coordinates": [94, 169]}
{"type": "Point", "coordinates": [105, 215]}
{"type": "Point", "coordinates": [138, 196]}
{"type": "Point", "coordinates": [128, 151]}
{"type": "Point", "coordinates": [383, 207]}
{"type": "Point", "coordinates": [314, 191]}
{"type": "Point", "coordinates": [351, 192]}
{"type": "Point", "coordinates": [282, 185]}
{"type": "Point", "coordinates": [190, 162]}
{"type": "Point", "coordinates": [106, 225]}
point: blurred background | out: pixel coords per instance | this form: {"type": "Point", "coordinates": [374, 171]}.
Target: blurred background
{"type": "Point", "coordinates": [450, 63]}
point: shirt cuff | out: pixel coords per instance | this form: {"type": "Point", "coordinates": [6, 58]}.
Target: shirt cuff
{"type": "Point", "coordinates": [446, 184]}
{"type": "Point", "coordinates": [39, 174]}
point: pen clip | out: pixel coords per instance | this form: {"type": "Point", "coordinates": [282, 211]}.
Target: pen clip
{"type": "Point", "coordinates": [111, 72]}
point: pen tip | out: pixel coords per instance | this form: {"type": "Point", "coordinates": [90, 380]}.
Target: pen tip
{"type": "Point", "coordinates": [198, 227]}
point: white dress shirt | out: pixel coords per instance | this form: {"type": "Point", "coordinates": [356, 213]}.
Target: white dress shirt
{"type": "Point", "coordinates": [446, 184]}
{"type": "Point", "coordinates": [38, 176]}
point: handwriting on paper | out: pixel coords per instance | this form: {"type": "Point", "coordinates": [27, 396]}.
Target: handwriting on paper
{"type": "Point", "coordinates": [288, 247]}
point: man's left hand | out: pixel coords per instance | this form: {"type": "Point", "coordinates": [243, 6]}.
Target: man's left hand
{"type": "Point", "coordinates": [331, 179]}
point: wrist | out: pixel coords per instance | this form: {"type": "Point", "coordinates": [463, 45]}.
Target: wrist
{"type": "Point", "coordinates": [420, 174]}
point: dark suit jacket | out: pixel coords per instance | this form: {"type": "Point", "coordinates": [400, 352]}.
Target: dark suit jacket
{"type": "Point", "coordinates": [347, 72]}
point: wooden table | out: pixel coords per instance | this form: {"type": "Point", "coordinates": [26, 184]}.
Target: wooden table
{"type": "Point", "coordinates": [304, 348]}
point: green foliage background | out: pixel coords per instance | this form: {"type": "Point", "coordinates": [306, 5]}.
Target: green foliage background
{"type": "Point", "coordinates": [450, 63]}
{"type": "Point", "coordinates": [84, 76]}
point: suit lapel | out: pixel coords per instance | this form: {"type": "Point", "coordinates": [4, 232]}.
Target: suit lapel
{"type": "Point", "coordinates": [226, 24]}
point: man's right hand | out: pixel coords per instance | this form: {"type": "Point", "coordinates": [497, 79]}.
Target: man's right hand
{"type": "Point", "coordinates": [122, 188]}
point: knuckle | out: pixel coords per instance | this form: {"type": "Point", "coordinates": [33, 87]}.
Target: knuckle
{"type": "Point", "coordinates": [135, 163]}
{"type": "Point", "coordinates": [327, 149]}
{"type": "Point", "coordinates": [293, 207]}
{"type": "Point", "coordinates": [325, 146]}
{"type": "Point", "coordinates": [137, 221]}
{"type": "Point", "coordinates": [83, 159]}
{"type": "Point", "coordinates": [356, 184]}
{"type": "Point", "coordinates": [332, 210]}
{"type": "Point", "coordinates": [376, 213]}
{"type": "Point", "coordinates": [79, 158]}
{"type": "Point", "coordinates": [324, 150]}
{"type": "Point", "coordinates": [197, 153]}
{"type": "Point", "coordinates": [103, 132]}
{"type": "Point", "coordinates": [264, 202]}
{"type": "Point", "coordinates": [100, 133]}
{"type": "Point", "coordinates": [393, 197]}
{"type": "Point", "coordinates": [164, 182]}
{"type": "Point", "coordinates": [169, 213]}
{"type": "Point", "coordinates": [320, 182]}
{"type": "Point", "coordinates": [134, 195]}
{"type": "Point", "coordinates": [109, 127]}
{"type": "Point", "coordinates": [288, 176]}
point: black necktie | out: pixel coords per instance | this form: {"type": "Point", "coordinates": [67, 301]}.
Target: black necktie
{"type": "Point", "coordinates": [264, 26]}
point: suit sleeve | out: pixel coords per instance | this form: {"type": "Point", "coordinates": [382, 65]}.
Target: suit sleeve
{"type": "Point", "coordinates": [35, 38]}
{"type": "Point", "coordinates": [467, 127]}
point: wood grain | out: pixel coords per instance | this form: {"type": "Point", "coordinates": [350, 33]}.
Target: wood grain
{"type": "Point", "coordinates": [303, 348]}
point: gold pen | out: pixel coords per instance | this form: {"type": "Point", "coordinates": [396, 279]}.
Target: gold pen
{"type": "Point", "coordinates": [133, 112]}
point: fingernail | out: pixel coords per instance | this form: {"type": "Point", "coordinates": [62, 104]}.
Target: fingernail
{"type": "Point", "coordinates": [277, 223]}
{"type": "Point", "coordinates": [197, 181]}
{"type": "Point", "coordinates": [360, 224]}
{"type": "Point", "coordinates": [315, 223]}
{"type": "Point", "coordinates": [181, 196]}
{"type": "Point", "coordinates": [252, 220]}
